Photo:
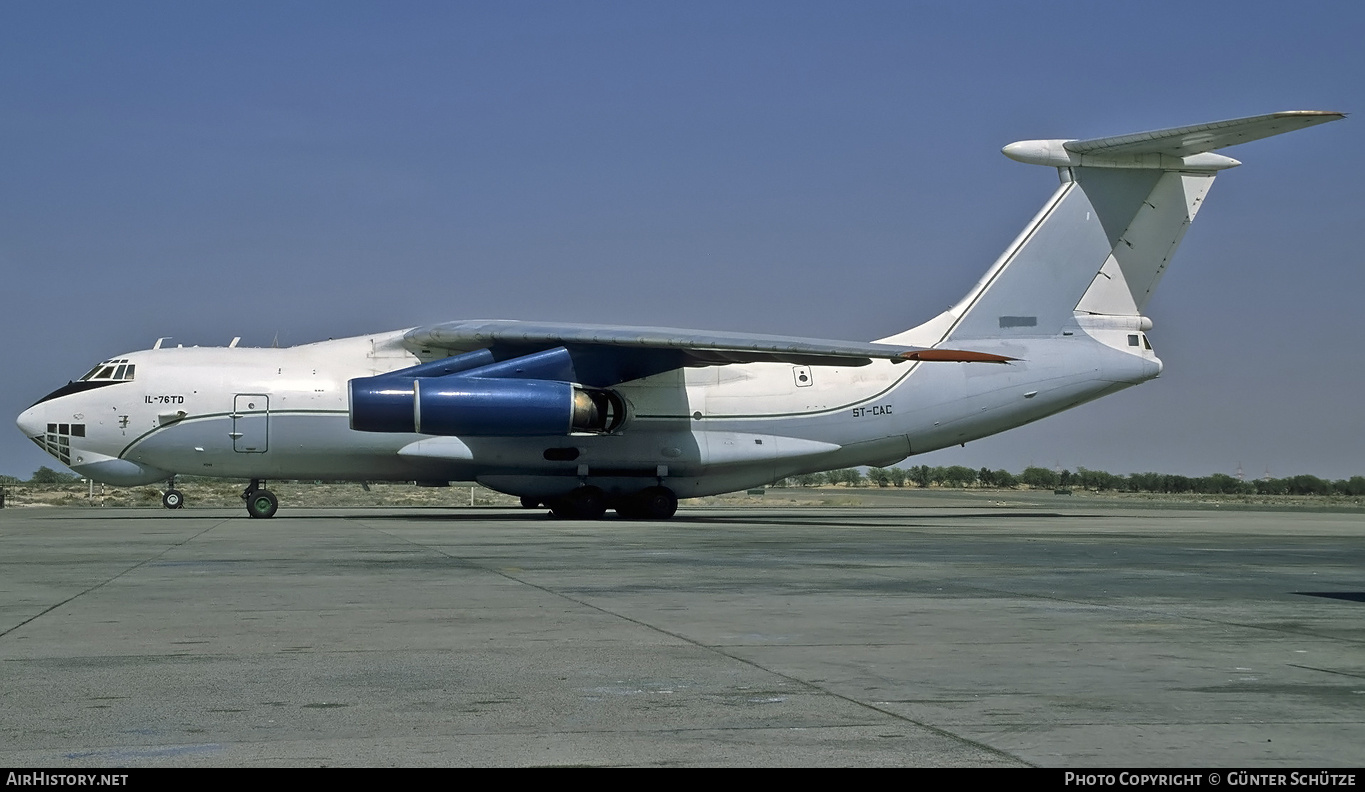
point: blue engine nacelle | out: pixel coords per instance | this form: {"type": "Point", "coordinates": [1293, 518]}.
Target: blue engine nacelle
{"type": "Point", "coordinates": [475, 406]}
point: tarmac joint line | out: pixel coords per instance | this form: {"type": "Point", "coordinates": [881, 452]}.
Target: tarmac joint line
{"type": "Point", "coordinates": [106, 582]}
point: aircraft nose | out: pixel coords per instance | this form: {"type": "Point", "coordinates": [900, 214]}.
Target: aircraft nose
{"type": "Point", "coordinates": [31, 422]}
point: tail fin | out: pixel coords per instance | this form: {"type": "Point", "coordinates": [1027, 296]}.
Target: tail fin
{"type": "Point", "coordinates": [1102, 242]}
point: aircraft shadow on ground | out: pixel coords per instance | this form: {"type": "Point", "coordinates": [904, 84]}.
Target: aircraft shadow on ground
{"type": "Point", "coordinates": [1349, 596]}
{"type": "Point", "coordinates": [513, 516]}
{"type": "Point", "coordinates": [682, 519]}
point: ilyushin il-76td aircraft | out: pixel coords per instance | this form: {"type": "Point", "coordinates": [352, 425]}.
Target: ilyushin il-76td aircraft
{"type": "Point", "coordinates": [585, 418]}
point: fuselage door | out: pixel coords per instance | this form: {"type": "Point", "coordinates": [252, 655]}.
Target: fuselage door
{"type": "Point", "coordinates": [251, 423]}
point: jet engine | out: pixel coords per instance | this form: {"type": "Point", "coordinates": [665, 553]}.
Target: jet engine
{"type": "Point", "coordinates": [477, 406]}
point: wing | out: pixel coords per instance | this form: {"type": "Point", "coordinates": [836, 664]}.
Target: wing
{"type": "Point", "coordinates": [696, 347]}
{"type": "Point", "coordinates": [617, 354]}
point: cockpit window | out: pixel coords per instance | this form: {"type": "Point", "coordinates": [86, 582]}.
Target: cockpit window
{"type": "Point", "coordinates": [112, 370]}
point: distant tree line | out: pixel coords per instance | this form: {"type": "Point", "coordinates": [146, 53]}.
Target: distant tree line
{"type": "Point", "coordinates": [958, 476]}
{"type": "Point", "coordinates": [43, 475]}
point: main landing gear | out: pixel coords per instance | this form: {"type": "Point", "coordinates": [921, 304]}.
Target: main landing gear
{"type": "Point", "coordinates": [654, 503]}
{"type": "Point", "coordinates": [260, 503]}
{"type": "Point", "coordinates": [590, 503]}
{"type": "Point", "coordinates": [584, 503]}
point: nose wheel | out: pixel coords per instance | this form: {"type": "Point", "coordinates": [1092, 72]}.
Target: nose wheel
{"type": "Point", "coordinates": [260, 503]}
{"type": "Point", "coordinates": [172, 498]}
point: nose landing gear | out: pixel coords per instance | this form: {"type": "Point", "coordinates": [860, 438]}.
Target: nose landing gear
{"type": "Point", "coordinates": [260, 503]}
{"type": "Point", "coordinates": [172, 498]}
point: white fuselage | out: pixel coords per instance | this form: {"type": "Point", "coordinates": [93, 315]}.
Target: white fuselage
{"type": "Point", "coordinates": [253, 413]}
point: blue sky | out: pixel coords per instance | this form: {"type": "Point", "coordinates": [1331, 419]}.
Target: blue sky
{"type": "Point", "coordinates": [298, 171]}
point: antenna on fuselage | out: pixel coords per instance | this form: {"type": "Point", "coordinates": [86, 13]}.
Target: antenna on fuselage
{"type": "Point", "coordinates": [235, 339]}
{"type": "Point", "coordinates": [157, 345]}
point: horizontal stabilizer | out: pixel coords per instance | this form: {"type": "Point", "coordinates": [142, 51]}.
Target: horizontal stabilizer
{"type": "Point", "coordinates": [1187, 140]}
{"type": "Point", "coordinates": [1177, 148]}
